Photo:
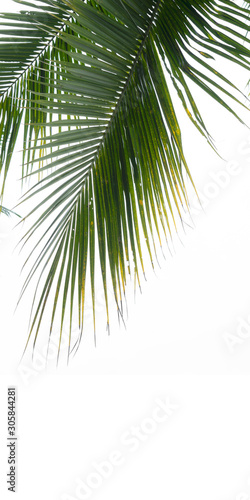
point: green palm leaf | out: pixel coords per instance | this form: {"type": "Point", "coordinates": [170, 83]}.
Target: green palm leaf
{"type": "Point", "coordinates": [100, 111]}
{"type": "Point", "coordinates": [24, 45]}
{"type": "Point", "coordinates": [7, 211]}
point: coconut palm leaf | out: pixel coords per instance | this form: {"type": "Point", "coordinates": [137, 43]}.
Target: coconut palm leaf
{"type": "Point", "coordinates": [7, 212]}
{"type": "Point", "coordinates": [24, 45]}
{"type": "Point", "coordinates": [100, 109]}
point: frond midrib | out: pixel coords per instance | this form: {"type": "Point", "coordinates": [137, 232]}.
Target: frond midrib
{"type": "Point", "coordinates": [38, 56]}
{"type": "Point", "coordinates": [130, 75]}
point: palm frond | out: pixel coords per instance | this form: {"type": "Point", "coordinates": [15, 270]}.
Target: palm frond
{"type": "Point", "coordinates": [26, 40]}
{"type": "Point", "coordinates": [112, 153]}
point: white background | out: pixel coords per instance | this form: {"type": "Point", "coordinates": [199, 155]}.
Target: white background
{"type": "Point", "coordinates": [177, 343]}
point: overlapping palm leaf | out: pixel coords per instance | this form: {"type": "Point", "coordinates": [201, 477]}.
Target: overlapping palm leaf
{"type": "Point", "coordinates": [109, 138]}
{"type": "Point", "coordinates": [24, 46]}
{"type": "Point", "coordinates": [7, 211]}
